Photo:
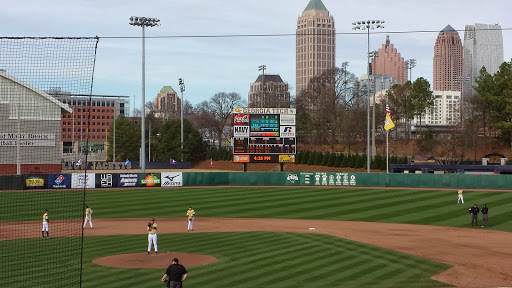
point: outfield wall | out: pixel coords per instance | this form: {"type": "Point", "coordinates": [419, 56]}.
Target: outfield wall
{"type": "Point", "coordinates": [174, 179]}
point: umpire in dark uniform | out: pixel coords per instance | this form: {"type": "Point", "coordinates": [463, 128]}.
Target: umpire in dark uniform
{"type": "Point", "coordinates": [485, 219]}
{"type": "Point", "coordinates": [176, 273]}
{"type": "Point", "coordinates": [474, 214]}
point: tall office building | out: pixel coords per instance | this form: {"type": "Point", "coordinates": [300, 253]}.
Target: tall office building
{"type": "Point", "coordinates": [315, 43]}
{"type": "Point", "coordinates": [448, 61]}
{"type": "Point", "coordinates": [167, 103]}
{"type": "Point", "coordinates": [389, 62]}
{"type": "Point", "coordinates": [273, 94]}
{"type": "Point", "coordinates": [483, 47]}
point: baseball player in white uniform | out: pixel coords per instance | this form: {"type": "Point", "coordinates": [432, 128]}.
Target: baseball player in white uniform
{"type": "Point", "coordinates": [191, 214]}
{"type": "Point", "coordinates": [460, 196]}
{"type": "Point", "coordinates": [152, 236]}
{"type": "Point", "coordinates": [88, 216]}
{"type": "Point", "coordinates": [45, 224]}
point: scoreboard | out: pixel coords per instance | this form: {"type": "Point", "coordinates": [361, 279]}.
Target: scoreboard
{"type": "Point", "coordinates": [264, 135]}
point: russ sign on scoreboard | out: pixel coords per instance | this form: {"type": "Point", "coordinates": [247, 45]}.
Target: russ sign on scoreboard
{"type": "Point", "coordinates": [263, 135]}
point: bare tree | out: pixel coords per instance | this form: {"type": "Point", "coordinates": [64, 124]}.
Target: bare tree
{"type": "Point", "coordinates": [216, 113]}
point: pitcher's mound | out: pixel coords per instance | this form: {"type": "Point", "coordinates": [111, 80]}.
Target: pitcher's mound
{"type": "Point", "coordinates": [160, 260]}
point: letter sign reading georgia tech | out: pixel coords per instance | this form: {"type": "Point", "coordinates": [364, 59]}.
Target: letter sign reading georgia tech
{"type": "Point", "coordinates": [264, 135]}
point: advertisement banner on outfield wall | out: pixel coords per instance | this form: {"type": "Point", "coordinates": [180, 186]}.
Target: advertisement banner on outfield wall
{"type": "Point", "coordinates": [292, 178]}
{"type": "Point", "coordinates": [172, 179]}
{"type": "Point", "coordinates": [106, 180]}
{"type": "Point", "coordinates": [128, 180]}
{"type": "Point", "coordinates": [150, 179]}
{"type": "Point", "coordinates": [35, 181]}
{"type": "Point", "coordinates": [328, 179]}
{"type": "Point", "coordinates": [59, 181]}
{"type": "Point", "coordinates": [81, 180]}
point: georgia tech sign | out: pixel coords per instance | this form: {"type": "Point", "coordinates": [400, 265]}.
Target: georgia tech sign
{"type": "Point", "coordinates": [264, 110]}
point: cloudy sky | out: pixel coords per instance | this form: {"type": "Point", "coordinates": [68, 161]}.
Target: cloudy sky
{"type": "Point", "coordinates": [229, 64]}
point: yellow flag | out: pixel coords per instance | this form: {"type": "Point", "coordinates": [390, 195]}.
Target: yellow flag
{"type": "Point", "coordinates": [388, 124]}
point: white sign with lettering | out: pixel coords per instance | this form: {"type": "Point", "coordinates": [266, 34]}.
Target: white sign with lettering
{"type": "Point", "coordinates": [27, 139]}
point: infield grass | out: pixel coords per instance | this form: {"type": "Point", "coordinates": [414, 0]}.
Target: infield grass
{"type": "Point", "coordinates": [246, 260]}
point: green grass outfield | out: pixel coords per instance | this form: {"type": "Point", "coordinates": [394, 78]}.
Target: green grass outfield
{"type": "Point", "coordinates": [256, 259]}
{"type": "Point", "coordinates": [429, 207]}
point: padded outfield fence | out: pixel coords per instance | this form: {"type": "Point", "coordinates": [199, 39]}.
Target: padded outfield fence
{"type": "Point", "coordinates": [177, 179]}
{"type": "Point", "coordinates": [33, 73]}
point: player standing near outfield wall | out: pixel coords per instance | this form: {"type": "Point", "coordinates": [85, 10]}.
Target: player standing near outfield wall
{"type": "Point", "coordinates": [460, 196]}
{"type": "Point", "coordinates": [152, 236]}
{"type": "Point", "coordinates": [45, 224]}
{"type": "Point", "coordinates": [88, 216]}
{"type": "Point", "coordinates": [190, 216]}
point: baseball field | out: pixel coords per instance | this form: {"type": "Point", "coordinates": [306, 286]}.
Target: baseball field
{"type": "Point", "coordinates": [271, 237]}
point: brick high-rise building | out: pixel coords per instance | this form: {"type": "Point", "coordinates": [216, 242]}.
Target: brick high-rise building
{"type": "Point", "coordinates": [389, 62]}
{"type": "Point", "coordinates": [448, 60]}
{"type": "Point", "coordinates": [315, 43]}
{"type": "Point", "coordinates": [90, 120]}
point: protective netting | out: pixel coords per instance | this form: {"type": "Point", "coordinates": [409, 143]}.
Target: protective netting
{"type": "Point", "coordinates": [42, 82]}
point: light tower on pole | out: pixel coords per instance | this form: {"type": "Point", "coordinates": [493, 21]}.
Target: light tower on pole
{"type": "Point", "coordinates": [143, 22]}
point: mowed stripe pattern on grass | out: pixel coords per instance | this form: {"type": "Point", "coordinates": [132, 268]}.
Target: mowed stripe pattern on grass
{"type": "Point", "coordinates": [429, 207]}
{"type": "Point", "coordinates": [264, 259]}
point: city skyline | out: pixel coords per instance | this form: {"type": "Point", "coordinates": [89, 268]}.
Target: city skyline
{"type": "Point", "coordinates": [227, 64]}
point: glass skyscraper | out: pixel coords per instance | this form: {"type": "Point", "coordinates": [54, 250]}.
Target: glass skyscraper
{"type": "Point", "coordinates": [483, 47]}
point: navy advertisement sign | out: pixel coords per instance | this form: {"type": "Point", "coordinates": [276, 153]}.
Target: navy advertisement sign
{"type": "Point", "coordinates": [35, 181]}
{"type": "Point", "coordinates": [59, 181]}
{"type": "Point", "coordinates": [128, 180]}
{"type": "Point", "coordinates": [106, 180]}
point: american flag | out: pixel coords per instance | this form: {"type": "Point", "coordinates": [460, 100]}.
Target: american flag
{"type": "Point", "coordinates": [174, 162]}
{"type": "Point", "coordinates": [387, 109]}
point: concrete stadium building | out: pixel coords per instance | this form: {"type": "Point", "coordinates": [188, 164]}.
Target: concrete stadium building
{"type": "Point", "coordinates": [30, 137]}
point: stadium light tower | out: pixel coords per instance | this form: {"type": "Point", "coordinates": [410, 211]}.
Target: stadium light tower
{"type": "Point", "coordinates": [368, 25]}
{"type": "Point", "coordinates": [143, 22]}
{"type": "Point", "coordinates": [181, 82]}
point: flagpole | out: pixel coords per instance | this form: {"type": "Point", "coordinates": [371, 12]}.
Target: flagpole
{"type": "Point", "coordinates": [387, 151]}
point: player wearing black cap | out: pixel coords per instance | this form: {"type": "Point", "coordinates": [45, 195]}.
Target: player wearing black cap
{"type": "Point", "coordinates": [485, 219]}
{"type": "Point", "coordinates": [177, 274]}
{"type": "Point", "coordinates": [152, 236]}
{"type": "Point", "coordinates": [474, 213]}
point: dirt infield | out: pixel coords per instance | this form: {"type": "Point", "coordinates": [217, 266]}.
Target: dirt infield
{"type": "Point", "coordinates": [481, 257]}
{"type": "Point", "coordinates": [160, 260]}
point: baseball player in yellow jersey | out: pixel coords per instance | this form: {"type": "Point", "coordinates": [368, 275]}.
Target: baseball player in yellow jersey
{"type": "Point", "coordinates": [190, 215]}
{"type": "Point", "coordinates": [152, 236]}
{"type": "Point", "coordinates": [460, 196]}
{"type": "Point", "coordinates": [45, 224]}
{"type": "Point", "coordinates": [88, 216]}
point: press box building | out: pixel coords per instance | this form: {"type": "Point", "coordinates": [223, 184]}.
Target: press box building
{"type": "Point", "coordinates": [30, 125]}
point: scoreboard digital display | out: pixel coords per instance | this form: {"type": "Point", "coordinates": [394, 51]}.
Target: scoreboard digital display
{"type": "Point", "coordinates": [264, 135]}
{"type": "Point", "coordinates": [264, 125]}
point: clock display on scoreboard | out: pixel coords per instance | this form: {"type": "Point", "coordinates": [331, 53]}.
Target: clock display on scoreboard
{"type": "Point", "coordinates": [264, 125]}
